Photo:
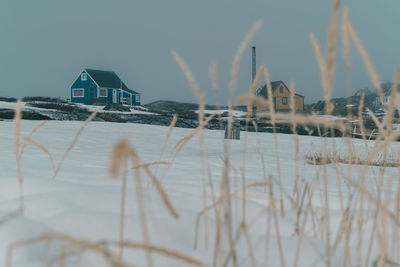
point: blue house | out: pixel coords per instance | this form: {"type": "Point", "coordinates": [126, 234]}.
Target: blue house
{"type": "Point", "coordinates": [105, 85]}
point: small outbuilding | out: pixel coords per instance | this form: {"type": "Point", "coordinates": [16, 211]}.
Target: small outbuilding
{"type": "Point", "coordinates": [104, 85]}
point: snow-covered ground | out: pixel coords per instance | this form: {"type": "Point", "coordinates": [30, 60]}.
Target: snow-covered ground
{"type": "Point", "coordinates": [84, 202]}
{"type": "Point", "coordinates": [91, 108]}
{"type": "Point", "coordinates": [235, 113]}
{"type": "Point", "coordinates": [101, 109]}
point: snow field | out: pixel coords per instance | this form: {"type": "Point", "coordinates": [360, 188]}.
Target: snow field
{"type": "Point", "coordinates": [84, 202]}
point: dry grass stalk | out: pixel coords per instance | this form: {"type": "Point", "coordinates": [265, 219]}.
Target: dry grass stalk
{"type": "Point", "coordinates": [91, 117]}
{"type": "Point", "coordinates": [141, 207]}
{"type": "Point", "coordinates": [295, 139]}
{"type": "Point", "coordinates": [243, 168]}
{"type": "Point", "coordinates": [360, 119]}
{"type": "Point", "coordinates": [260, 101]}
{"type": "Point", "coordinates": [43, 148]}
{"type": "Point", "coordinates": [225, 193]}
{"type": "Point", "coordinates": [123, 150]}
{"type": "Point", "coordinates": [122, 217]}
{"type": "Point", "coordinates": [18, 154]}
{"type": "Point", "coordinates": [388, 120]}
{"type": "Point", "coordinates": [163, 195]}
{"type": "Point", "coordinates": [301, 235]}
{"type": "Point", "coordinates": [323, 70]}
{"type": "Point", "coordinates": [331, 53]}
{"type": "Point", "coordinates": [17, 129]}
{"type": "Point", "coordinates": [213, 70]}
{"type": "Point", "coordinates": [48, 237]}
{"type": "Point", "coordinates": [121, 153]}
{"type": "Point", "coordinates": [215, 206]}
{"type": "Point", "coordinates": [326, 214]}
{"type": "Point", "coordinates": [101, 248]}
{"type": "Point", "coordinates": [214, 82]}
{"type": "Point", "coordinates": [395, 244]}
{"type": "Point", "coordinates": [188, 73]}
{"type": "Point", "coordinates": [346, 38]}
{"type": "Point", "coordinates": [204, 163]}
{"type": "Point", "coordinates": [181, 143]}
{"type": "Point", "coordinates": [201, 99]}
{"type": "Point", "coordinates": [238, 56]}
{"type": "Point", "coordinates": [171, 127]}
{"type": "Point", "coordinates": [367, 62]}
{"type": "Point", "coordinates": [376, 121]}
{"type": "Point", "coordinates": [30, 135]}
{"type": "Point", "coordinates": [272, 113]}
{"type": "Point", "coordinates": [214, 79]}
{"type": "Point", "coordinates": [276, 222]}
{"type": "Point", "coordinates": [261, 159]}
{"type": "Point", "coordinates": [346, 44]}
{"type": "Point", "coordinates": [149, 164]}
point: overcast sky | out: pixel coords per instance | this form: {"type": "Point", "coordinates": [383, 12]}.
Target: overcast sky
{"type": "Point", "coordinates": [46, 43]}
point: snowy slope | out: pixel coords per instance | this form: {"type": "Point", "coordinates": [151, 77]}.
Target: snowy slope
{"type": "Point", "coordinates": [84, 202]}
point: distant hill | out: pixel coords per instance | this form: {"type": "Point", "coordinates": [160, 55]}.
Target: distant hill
{"type": "Point", "coordinates": [343, 104]}
{"type": "Point", "coordinates": [352, 103]}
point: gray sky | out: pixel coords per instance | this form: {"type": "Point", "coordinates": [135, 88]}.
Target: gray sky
{"type": "Point", "coordinates": [46, 43]}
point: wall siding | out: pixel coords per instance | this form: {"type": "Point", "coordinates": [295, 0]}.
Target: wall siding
{"type": "Point", "coordinates": [134, 101]}
{"type": "Point", "coordinates": [110, 95]}
{"type": "Point", "coordinates": [299, 103]}
{"type": "Point", "coordinates": [127, 96]}
{"type": "Point", "coordinates": [85, 85]}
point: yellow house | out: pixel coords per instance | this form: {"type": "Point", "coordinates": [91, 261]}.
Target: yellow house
{"type": "Point", "coordinates": [282, 96]}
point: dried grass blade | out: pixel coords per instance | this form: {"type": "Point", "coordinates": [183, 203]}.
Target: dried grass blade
{"type": "Point", "coordinates": [171, 127]}
{"type": "Point", "coordinates": [367, 62]}
{"type": "Point", "coordinates": [43, 148]}
{"type": "Point", "coordinates": [238, 55]}
{"type": "Point", "coordinates": [31, 134]}
{"type": "Point", "coordinates": [181, 143]}
{"type": "Point", "coordinates": [162, 193]}
{"type": "Point", "coordinates": [17, 130]}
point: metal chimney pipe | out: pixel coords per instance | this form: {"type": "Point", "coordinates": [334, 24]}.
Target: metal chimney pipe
{"type": "Point", "coordinates": [253, 63]}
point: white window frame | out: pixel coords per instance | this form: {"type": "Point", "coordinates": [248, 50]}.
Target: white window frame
{"type": "Point", "coordinates": [78, 89]}
{"type": "Point", "coordinates": [83, 76]}
{"type": "Point", "coordinates": [137, 98]}
{"type": "Point", "coordinates": [106, 95]}
{"type": "Point", "coordinates": [284, 102]}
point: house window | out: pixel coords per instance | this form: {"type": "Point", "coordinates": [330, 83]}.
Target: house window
{"type": "Point", "coordinates": [284, 100]}
{"type": "Point", "coordinates": [84, 76]}
{"type": "Point", "coordinates": [79, 92]}
{"type": "Point", "coordinates": [103, 92]}
{"type": "Point", "coordinates": [137, 98]}
{"type": "Point", "coordinates": [281, 90]}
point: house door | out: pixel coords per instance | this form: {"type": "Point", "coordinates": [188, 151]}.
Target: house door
{"type": "Point", "coordinates": [114, 100]}
{"type": "Point", "coordinates": [92, 93]}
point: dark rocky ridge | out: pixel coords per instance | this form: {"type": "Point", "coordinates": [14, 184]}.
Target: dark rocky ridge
{"type": "Point", "coordinates": [173, 106]}
{"type": "Point", "coordinates": [8, 114]}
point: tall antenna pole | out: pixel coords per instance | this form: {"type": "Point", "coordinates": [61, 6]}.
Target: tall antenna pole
{"type": "Point", "coordinates": [253, 63]}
